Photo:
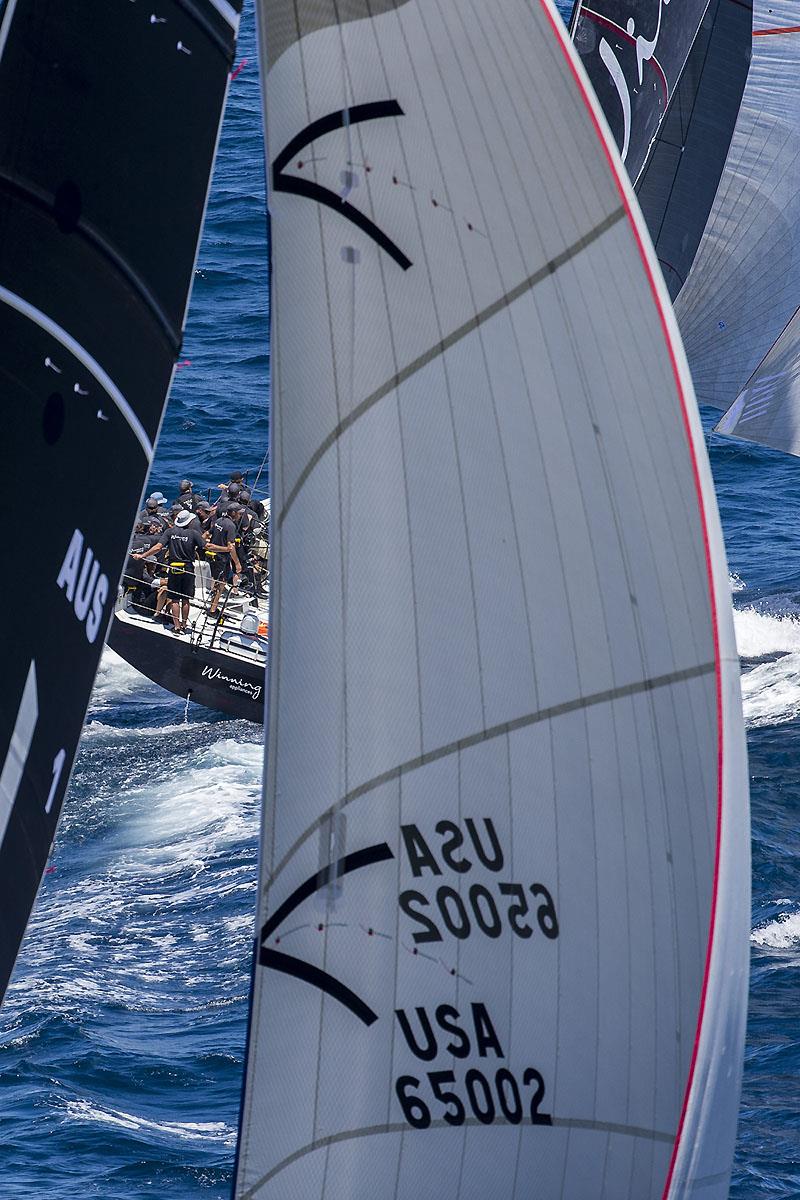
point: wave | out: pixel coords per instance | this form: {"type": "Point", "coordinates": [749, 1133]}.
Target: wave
{"type": "Point", "coordinates": [771, 688]}
{"type": "Point", "coordinates": [781, 934]}
{"type": "Point", "coordinates": [194, 1131]}
{"type": "Point", "coordinates": [117, 680]}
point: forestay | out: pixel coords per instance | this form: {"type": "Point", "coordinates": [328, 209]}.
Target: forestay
{"type": "Point", "coordinates": [744, 286]}
{"type": "Point", "coordinates": [503, 927]}
{"type": "Point", "coordinates": [110, 120]}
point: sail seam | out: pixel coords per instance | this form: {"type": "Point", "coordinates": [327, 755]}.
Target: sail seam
{"type": "Point", "coordinates": [544, 272]}
{"type": "Point", "coordinates": [634, 1131]}
{"type": "Point", "coordinates": [494, 731]}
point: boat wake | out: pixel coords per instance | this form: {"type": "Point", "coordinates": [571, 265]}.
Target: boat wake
{"type": "Point", "coordinates": [769, 646]}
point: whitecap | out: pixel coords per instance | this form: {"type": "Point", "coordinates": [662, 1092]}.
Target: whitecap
{"type": "Point", "coordinates": [117, 679]}
{"type": "Point", "coordinates": [196, 1131]}
{"type": "Point", "coordinates": [737, 584]}
{"type": "Point", "coordinates": [781, 934]}
{"type": "Point", "coordinates": [771, 689]}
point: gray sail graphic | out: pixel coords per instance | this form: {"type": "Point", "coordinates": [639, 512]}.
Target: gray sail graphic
{"type": "Point", "coordinates": [502, 937]}
{"type": "Point", "coordinates": [111, 114]}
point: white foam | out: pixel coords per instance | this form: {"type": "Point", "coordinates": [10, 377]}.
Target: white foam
{"type": "Point", "coordinates": [737, 584]}
{"type": "Point", "coordinates": [759, 633]}
{"type": "Point", "coordinates": [97, 731]}
{"type": "Point", "coordinates": [770, 690]}
{"type": "Point", "coordinates": [192, 1131]}
{"type": "Point", "coordinates": [781, 934]}
{"type": "Point", "coordinates": [115, 680]}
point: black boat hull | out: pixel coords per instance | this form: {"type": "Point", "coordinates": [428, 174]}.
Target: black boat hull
{"type": "Point", "coordinates": [205, 676]}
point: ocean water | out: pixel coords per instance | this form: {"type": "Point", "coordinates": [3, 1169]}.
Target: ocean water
{"type": "Point", "coordinates": [122, 1036]}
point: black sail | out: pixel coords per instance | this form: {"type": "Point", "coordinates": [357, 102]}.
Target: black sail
{"type": "Point", "coordinates": [111, 113]}
{"type": "Point", "coordinates": [679, 182]}
{"type": "Point", "coordinates": [634, 52]}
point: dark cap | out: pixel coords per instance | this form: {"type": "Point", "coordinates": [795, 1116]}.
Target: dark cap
{"type": "Point", "coordinates": [234, 489]}
{"type": "Point", "coordinates": [151, 504]}
{"type": "Point", "coordinates": [234, 506]}
{"type": "Point", "coordinates": [244, 495]}
{"type": "Point", "coordinates": [236, 477]}
{"type": "Point", "coordinates": [206, 507]}
{"type": "Point", "coordinates": [186, 485]}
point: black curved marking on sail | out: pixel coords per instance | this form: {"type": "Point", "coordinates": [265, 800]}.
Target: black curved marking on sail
{"type": "Point", "coordinates": [290, 965]}
{"type": "Point", "coordinates": [315, 191]}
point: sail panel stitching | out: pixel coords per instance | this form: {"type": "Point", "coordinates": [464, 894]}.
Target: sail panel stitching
{"type": "Point", "coordinates": [578, 704]}
{"type": "Point", "coordinates": [549, 268]}
{"type": "Point", "coordinates": [634, 1131]}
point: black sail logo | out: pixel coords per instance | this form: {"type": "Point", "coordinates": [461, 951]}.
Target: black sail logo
{"type": "Point", "coordinates": [281, 182]}
{"type": "Point", "coordinates": [287, 963]}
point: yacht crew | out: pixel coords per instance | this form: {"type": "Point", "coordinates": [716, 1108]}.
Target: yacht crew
{"type": "Point", "coordinates": [153, 513]}
{"type": "Point", "coordinates": [187, 497]}
{"type": "Point", "coordinates": [221, 551]}
{"type": "Point", "coordinates": [253, 506]}
{"type": "Point", "coordinates": [184, 543]}
{"type": "Point", "coordinates": [228, 497]}
{"type": "Point", "coordinates": [205, 514]}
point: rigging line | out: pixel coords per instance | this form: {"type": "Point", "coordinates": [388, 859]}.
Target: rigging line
{"type": "Point", "coordinates": [433, 352]}
{"type": "Point", "coordinates": [261, 468]}
{"type": "Point", "coordinates": [83, 356]}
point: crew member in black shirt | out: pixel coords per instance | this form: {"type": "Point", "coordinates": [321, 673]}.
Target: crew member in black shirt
{"type": "Point", "coordinates": [221, 551]}
{"type": "Point", "coordinates": [184, 543]}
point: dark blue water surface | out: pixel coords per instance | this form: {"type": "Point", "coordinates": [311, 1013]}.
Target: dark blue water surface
{"type": "Point", "coordinates": [122, 1036]}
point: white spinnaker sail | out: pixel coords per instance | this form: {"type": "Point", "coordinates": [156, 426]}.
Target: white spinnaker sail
{"type": "Point", "coordinates": [744, 285]}
{"type": "Point", "coordinates": [504, 904]}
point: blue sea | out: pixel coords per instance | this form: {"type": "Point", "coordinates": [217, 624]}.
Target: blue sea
{"type": "Point", "coordinates": [122, 1036]}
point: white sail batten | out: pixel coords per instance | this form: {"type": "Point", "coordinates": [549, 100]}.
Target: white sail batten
{"type": "Point", "coordinates": [504, 899]}
{"type": "Point", "coordinates": [743, 288]}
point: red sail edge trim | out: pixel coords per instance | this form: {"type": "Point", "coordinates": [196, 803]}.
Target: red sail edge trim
{"type": "Point", "coordinates": [560, 33]}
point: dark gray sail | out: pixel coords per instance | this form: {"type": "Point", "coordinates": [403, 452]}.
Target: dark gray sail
{"type": "Point", "coordinates": [111, 114]}
{"type": "Point", "coordinates": [677, 187]}
{"type": "Point", "coordinates": [634, 55]}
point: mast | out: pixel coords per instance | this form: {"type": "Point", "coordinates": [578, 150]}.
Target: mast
{"type": "Point", "coordinates": [111, 117]}
{"type": "Point", "coordinates": [502, 938]}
